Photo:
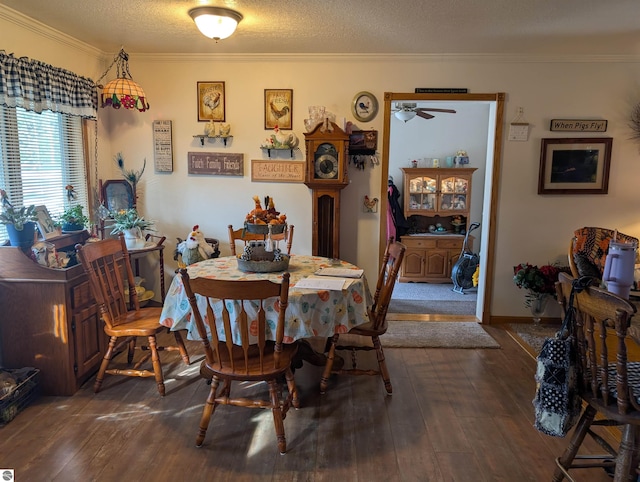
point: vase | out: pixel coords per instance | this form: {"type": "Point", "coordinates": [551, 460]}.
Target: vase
{"type": "Point", "coordinates": [22, 238]}
{"type": "Point", "coordinates": [133, 238]}
{"type": "Point", "coordinates": [538, 305]}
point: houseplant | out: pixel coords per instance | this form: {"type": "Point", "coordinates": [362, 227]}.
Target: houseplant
{"type": "Point", "coordinates": [20, 222]}
{"type": "Point", "coordinates": [131, 224]}
{"type": "Point", "coordinates": [73, 219]}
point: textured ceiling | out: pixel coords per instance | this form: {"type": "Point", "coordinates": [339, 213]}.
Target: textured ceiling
{"type": "Point", "coordinates": [569, 27]}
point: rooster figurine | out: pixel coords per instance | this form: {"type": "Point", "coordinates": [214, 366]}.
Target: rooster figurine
{"type": "Point", "coordinates": [194, 248]}
{"type": "Point", "coordinates": [206, 250]}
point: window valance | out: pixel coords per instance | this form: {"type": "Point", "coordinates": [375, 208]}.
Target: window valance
{"type": "Point", "coordinates": [36, 86]}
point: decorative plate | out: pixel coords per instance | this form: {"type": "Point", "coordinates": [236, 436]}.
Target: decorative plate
{"type": "Point", "coordinates": [365, 106]}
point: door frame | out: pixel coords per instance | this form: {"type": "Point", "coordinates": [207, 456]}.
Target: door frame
{"type": "Point", "coordinates": [490, 204]}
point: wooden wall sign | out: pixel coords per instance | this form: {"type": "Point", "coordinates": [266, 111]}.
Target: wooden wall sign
{"type": "Point", "coordinates": [162, 146]}
{"type": "Point", "coordinates": [277, 171]}
{"type": "Point", "coordinates": [216, 164]}
{"type": "Point", "coordinates": [578, 125]}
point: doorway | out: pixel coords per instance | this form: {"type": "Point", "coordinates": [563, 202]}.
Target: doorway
{"type": "Point", "coordinates": [455, 135]}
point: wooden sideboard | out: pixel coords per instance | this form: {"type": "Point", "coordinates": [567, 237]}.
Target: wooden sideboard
{"type": "Point", "coordinates": [49, 319]}
{"type": "Point", "coordinates": [430, 257]}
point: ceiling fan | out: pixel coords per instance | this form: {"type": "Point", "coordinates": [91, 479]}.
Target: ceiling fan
{"type": "Point", "coordinates": [405, 111]}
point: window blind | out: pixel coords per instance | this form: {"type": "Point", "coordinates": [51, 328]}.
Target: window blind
{"type": "Point", "coordinates": [41, 154]}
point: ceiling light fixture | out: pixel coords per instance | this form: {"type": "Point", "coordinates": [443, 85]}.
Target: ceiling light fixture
{"type": "Point", "coordinates": [405, 115]}
{"type": "Point", "coordinates": [122, 91]}
{"type": "Point", "coordinates": [215, 22]}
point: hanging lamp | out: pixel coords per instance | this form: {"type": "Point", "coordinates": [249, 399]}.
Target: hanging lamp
{"type": "Point", "coordinates": [123, 91]}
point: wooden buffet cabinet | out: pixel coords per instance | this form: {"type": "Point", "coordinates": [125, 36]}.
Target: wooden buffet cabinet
{"type": "Point", "coordinates": [434, 196]}
{"type": "Point", "coordinates": [49, 319]}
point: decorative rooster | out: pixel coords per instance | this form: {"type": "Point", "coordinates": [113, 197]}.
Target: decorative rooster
{"type": "Point", "coordinates": [211, 99]}
{"type": "Point", "coordinates": [370, 205]}
{"type": "Point", "coordinates": [278, 113]}
{"type": "Point", "coordinates": [193, 249]}
{"type": "Point", "coordinates": [206, 250]}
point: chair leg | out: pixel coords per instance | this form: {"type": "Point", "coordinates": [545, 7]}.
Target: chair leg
{"type": "Point", "coordinates": [105, 363]}
{"type": "Point", "coordinates": [276, 409]}
{"type": "Point", "coordinates": [209, 407]}
{"type": "Point", "coordinates": [157, 367]}
{"type": "Point", "coordinates": [181, 347]}
{"type": "Point", "coordinates": [131, 349]}
{"type": "Point", "coordinates": [293, 390]}
{"type": "Point", "coordinates": [566, 459]}
{"type": "Point", "coordinates": [324, 381]}
{"type": "Point", "coordinates": [627, 459]}
{"type": "Point", "coordinates": [382, 364]}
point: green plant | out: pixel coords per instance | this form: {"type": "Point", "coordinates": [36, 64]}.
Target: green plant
{"type": "Point", "coordinates": [13, 215]}
{"type": "Point", "coordinates": [73, 215]}
{"type": "Point", "coordinates": [129, 219]}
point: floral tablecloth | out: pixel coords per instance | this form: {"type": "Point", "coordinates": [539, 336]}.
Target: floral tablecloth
{"type": "Point", "coordinates": [310, 312]}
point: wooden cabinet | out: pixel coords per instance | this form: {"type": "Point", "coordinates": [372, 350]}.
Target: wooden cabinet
{"type": "Point", "coordinates": [430, 257]}
{"type": "Point", "coordinates": [49, 319]}
{"type": "Point", "coordinates": [436, 191]}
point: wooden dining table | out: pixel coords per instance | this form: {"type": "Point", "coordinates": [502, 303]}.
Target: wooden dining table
{"type": "Point", "coordinates": [310, 313]}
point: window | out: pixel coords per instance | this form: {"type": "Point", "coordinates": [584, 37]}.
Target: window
{"type": "Point", "coordinates": [40, 154]}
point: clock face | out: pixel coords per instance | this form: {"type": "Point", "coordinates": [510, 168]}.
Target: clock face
{"type": "Point", "coordinates": [326, 162]}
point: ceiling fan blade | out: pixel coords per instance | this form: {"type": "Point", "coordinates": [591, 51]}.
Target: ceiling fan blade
{"type": "Point", "coordinates": [424, 115]}
{"type": "Point", "coordinates": [450, 111]}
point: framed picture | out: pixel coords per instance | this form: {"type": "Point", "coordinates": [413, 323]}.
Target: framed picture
{"type": "Point", "coordinates": [575, 166]}
{"type": "Point", "coordinates": [364, 106]}
{"type": "Point", "coordinates": [211, 102]}
{"type": "Point", "coordinates": [45, 223]}
{"type": "Point", "coordinates": [117, 194]}
{"type": "Point", "coordinates": [278, 108]}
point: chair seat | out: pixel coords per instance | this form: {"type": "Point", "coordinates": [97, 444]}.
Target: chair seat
{"type": "Point", "coordinates": [138, 323]}
{"type": "Point", "coordinates": [367, 329]}
{"type": "Point", "coordinates": [269, 369]}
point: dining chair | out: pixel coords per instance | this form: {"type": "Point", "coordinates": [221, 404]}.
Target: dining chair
{"type": "Point", "coordinates": [108, 268]}
{"type": "Point", "coordinates": [608, 382]}
{"type": "Point", "coordinates": [377, 325]}
{"type": "Point", "coordinates": [245, 237]}
{"type": "Point", "coordinates": [237, 345]}
{"type": "Point", "coordinates": [588, 250]}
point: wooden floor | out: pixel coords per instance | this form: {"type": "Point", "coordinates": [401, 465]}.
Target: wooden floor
{"type": "Point", "coordinates": [455, 415]}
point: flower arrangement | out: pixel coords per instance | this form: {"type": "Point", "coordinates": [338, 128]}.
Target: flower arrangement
{"type": "Point", "coordinates": [537, 280]}
{"type": "Point", "coordinates": [129, 219]}
{"type": "Point", "coordinates": [13, 215]}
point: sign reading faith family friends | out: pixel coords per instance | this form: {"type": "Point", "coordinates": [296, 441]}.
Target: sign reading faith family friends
{"type": "Point", "coordinates": [578, 125]}
{"type": "Point", "coordinates": [215, 164]}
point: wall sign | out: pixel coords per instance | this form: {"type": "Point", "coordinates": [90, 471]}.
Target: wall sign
{"type": "Point", "coordinates": [215, 164]}
{"type": "Point", "coordinates": [162, 146]}
{"type": "Point", "coordinates": [578, 125]}
{"type": "Point", "coordinates": [277, 171]}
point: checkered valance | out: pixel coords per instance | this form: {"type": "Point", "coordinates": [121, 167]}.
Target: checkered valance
{"type": "Point", "coordinates": [36, 86]}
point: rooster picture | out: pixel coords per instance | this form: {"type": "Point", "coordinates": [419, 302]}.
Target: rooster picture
{"type": "Point", "coordinates": [370, 205]}
{"type": "Point", "coordinates": [278, 113]}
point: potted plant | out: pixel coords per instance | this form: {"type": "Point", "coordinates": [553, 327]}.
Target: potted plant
{"type": "Point", "coordinates": [20, 222]}
{"type": "Point", "coordinates": [131, 224]}
{"type": "Point", "coordinates": [73, 219]}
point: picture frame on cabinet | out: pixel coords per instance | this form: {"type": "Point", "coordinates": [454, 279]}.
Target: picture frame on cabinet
{"type": "Point", "coordinates": [575, 165]}
{"type": "Point", "coordinates": [45, 224]}
{"type": "Point", "coordinates": [278, 109]}
{"type": "Point", "coordinates": [211, 101]}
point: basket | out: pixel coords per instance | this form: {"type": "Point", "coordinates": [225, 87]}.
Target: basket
{"type": "Point", "coordinates": [263, 266]}
{"type": "Point", "coordinates": [21, 396]}
{"type": "Point", "coordinates": [264, 228]}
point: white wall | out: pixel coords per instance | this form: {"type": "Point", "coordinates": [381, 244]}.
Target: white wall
{"type": "Point", "coordinates": [530, 227]}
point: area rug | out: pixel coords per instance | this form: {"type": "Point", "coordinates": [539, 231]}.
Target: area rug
{"type": "Point", "coordinates": [439, 334]}
{"type": "Point", "coordinates": [533, 335]}
{"type": "Point", "coordinates": [433, 307]}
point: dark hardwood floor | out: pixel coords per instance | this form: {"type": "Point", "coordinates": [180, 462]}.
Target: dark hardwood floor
{"type": "Point", "coordinates": [455, 415]}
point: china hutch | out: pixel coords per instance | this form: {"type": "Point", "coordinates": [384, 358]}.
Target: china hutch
{"type": "Point", "coordinates": [49, 318]}
{"type": "Point", "coordinates": [437, 205]}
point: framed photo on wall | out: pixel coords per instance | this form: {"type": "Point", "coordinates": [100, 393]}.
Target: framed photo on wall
{"type": "Point", "coordinates": [211, 101]}
{"type": "Point", "coordinates": [117, 194]}
{"type": "Point", "coordinates": [575, 165]}
{"type": "Point", "coordinates": [278, 108]}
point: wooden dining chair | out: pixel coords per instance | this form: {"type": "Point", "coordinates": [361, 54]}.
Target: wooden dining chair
{"type": "Point", "coordinates": [249, 356]}
{"type": "Point", "coordinates": [245, 237]}
{"type": "Point", "coordinates": [377, 325]}
{"type": "Point", "coordinates": [108, 267]}
{"type": "Point", "coordinates": [608, 382]}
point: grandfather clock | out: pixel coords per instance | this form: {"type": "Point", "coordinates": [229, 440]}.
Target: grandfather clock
{"type": "Point", "coordinates": [326, 174]}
